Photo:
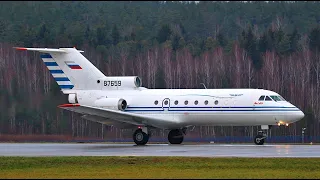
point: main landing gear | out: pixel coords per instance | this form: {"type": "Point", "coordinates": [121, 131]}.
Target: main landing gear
{"type": "Point", "coordinates": [175, 136]}
{"type": "Point", "coordinates": [262, 135]}
{"type": "Point", "coordinates": [141, 136]}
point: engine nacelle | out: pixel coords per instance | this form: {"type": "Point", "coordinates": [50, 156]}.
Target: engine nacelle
{"type": "Point", "coordinates": [121, 82]}
{"type": "Point", "coordinates": [112, 103]}
{"type": "Point", "coordinates": [72, 98]}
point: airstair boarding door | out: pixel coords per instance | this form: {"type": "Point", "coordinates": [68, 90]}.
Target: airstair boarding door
{"type": "Point", "coordinates": [166, 104]}
{"type": "Point", "coordinates": [169, 115]}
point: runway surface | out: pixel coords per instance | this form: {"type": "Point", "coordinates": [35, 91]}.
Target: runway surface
{"type": "Point", "coordinates": [201, 150]}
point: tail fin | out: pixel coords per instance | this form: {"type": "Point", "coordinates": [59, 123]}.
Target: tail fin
{"type": "Point", "coordinates": [70, 68]}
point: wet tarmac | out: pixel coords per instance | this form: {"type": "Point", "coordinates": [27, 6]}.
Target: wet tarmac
{"type": "Point", "coordinates": [200, 150]}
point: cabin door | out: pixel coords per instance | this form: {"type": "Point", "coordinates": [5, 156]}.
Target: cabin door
{"type": "Point", "coordinates": [166, 104]}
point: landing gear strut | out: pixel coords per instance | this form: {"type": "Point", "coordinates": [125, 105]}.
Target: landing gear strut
{"type": "Point", "coordinates": [176, 136]}
{"type": "Point", "coordinates": [140, 137]}
{"type": "Point", "coordinates": [262, 135]}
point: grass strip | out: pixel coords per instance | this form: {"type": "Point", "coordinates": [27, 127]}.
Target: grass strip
{"type": "Point", "coordinates": [158, 167]}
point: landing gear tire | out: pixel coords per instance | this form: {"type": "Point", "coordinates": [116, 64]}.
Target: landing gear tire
{"type": "Point", "coordinates": [175, 136]}
{"type": "Point", "coordinates": [140, 137]}
{"type": "Point", "coordinates": [259, 140]}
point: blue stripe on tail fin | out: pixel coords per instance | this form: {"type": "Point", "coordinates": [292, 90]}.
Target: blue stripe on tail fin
{"type": "Point", "coordinates": [59, 76]}
{"type": "Point", "coordinates": [46, 56]}
{"type": "Point", "coordinates": [66, 86]}
{"type": "Point", "coordinates": [51, 64]}
{"type": "Point", "coordinates": [61, 79]}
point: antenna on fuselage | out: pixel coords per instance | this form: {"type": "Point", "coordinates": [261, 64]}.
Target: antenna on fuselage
{"type": "Point", "coordinates": [204, 85]}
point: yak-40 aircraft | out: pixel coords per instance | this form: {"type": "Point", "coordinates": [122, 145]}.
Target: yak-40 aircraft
{"type": "Point", "coordinates": [124, 103]}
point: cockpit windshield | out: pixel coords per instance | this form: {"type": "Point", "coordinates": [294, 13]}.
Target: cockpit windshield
{"type": "Point", "coordinates": [270, 98]}
{"type": "Point", "coordinates": [282, 98]}
{"type": "Point", "coordinates": [277, 98]}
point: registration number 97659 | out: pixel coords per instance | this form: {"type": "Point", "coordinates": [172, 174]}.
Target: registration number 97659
{"type": "Point", "coordinates": [112, 83]}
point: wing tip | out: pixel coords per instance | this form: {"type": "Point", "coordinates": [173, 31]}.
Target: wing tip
{"type": "Point", "coordinates": [20, 48]}
{"type": "Point", "coordinates": [68, 105]}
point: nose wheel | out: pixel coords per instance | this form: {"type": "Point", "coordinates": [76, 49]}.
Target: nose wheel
{"type": "Point", "coordinates": [259, 139]}
{"type": "Point", "coordinates": [262, 135]}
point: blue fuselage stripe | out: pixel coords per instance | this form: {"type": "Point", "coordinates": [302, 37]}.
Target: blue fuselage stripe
{"type": "Point", "coordinates": [244, 108]}
{"type": "Point", "coordinates": [141, 107]}
{"type": "Point", "coordinates": [198, 110]}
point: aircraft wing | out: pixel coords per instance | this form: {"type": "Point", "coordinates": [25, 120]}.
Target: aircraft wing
{"type": "Point", "coordinates": [119, 116]}
{"type": "Point", "coordinates": [109, 122]}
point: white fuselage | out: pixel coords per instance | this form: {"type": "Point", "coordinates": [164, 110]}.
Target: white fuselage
{"type": "Point", "coordinates": [226, 107]}
{"type": "Point", "coordinates": [88, 86]}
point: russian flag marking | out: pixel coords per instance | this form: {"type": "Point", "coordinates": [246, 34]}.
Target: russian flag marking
{"type": "Point", "coordinates": [72, 65]}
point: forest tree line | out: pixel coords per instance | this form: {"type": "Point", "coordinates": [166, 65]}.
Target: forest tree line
{"type": "Point", "coordinates": [272, 45]}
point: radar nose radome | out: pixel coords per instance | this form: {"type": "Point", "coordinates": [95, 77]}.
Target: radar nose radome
{"type": "Point", "coordinates": [301, 115]}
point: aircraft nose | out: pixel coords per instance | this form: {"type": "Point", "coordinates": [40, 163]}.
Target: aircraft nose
{"type": "Point", "coordinates": [296, 116]}
{"type": "Point", "coordinates": [300, 115]}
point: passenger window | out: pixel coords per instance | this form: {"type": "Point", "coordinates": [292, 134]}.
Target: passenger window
{"type": "Point", "coordinates": [176, 102]}
{"type": "Point", "coordinates": [261, 98]}
{"type": "Point", "coordinates": [268, 98]}
{"type": "Point", "coordinates": [186, 102]}
{"type": "Point", "coordinates": [156, 102]}
{"type": "Point", "coordinates": [196, 102]}
{"type": "Point", "coordinates": [206, 102]}
{"type": "Point", "coordinates": [216, 102]}
{"type": "Point", "coordinates": [165, 102]}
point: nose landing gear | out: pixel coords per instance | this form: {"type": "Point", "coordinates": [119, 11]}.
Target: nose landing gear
{"type": "Point", "coordinates": [262, 135]}
{"type": "Point", "coordinates": [259, 139]}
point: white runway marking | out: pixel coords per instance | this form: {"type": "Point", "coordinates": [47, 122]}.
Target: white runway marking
{"type": "Point", "coordinates": [197, 150]}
